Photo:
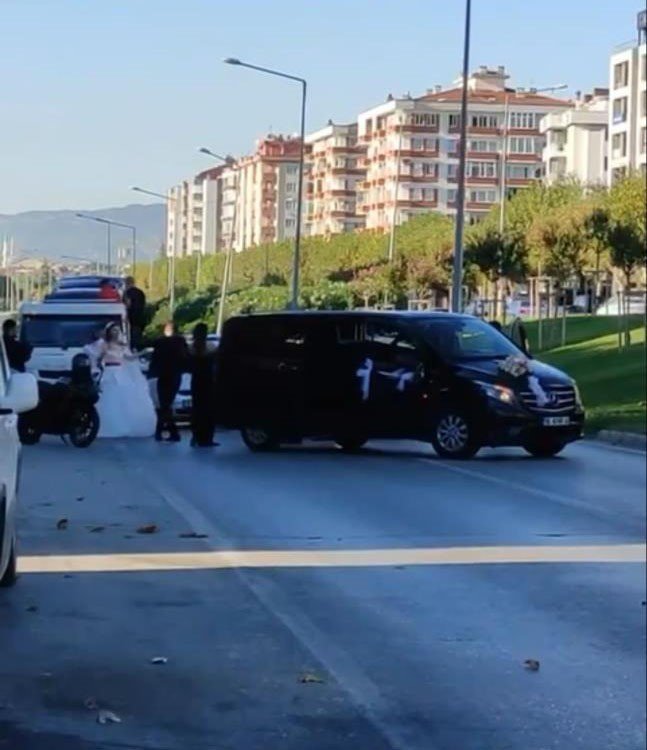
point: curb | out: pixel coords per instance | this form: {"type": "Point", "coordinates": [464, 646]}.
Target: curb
{"type": "Point", "coordinates": [623, 439]}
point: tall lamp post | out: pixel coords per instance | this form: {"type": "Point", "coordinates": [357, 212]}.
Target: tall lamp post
{"type": "Point", "coordinates": [171, 280]}
{"type": "Point", "coordinates": [226, 273]}
{"type": "Point", "coordinates": [109, 223]}
{"type": "Point", "coordinates": [294, 299]}
{"type": "Point", "coordinates": [457, 274]}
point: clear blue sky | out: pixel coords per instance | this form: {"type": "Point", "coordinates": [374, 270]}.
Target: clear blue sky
{"type": "Point", "coordinates": [97, 95]}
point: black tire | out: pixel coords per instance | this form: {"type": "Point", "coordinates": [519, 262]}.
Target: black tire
{"type": "Point", "coordinates": [28, 432]}
{"type": "Point", "coordinates": [258, 439]}
{"type": "Point", "coordinates": [10, 576]}
{"type": "Point", "coordinates": [84, 426]}
{"type": "Point", "coordinates": [453, 435]}
{"type": "Point", "coordinates": [350, 444]}
{"type": "Point", "coordinates": [548, 448]}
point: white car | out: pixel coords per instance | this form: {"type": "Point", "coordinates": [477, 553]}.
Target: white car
{"type": "Point", "coordinates": [18, 393]}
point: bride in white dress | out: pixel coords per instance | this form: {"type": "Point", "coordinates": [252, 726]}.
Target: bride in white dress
{"type": "Point", "coordinates": [125, 406]}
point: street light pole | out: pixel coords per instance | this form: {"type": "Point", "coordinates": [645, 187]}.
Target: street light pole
{"type": "Point", "coordinates": [457, 275]}
{"type": "Point", "coordinates": [296, 258]}
{"type": "Point", "coordinates": [394, 216]}
{"type": "Point", "coordinates": [171, 280]}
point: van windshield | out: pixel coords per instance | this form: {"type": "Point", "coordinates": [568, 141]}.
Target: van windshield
{"type": "Point", "coordinates": [63, 331]}
{"type": "Point", "coordinates": [464, 339]}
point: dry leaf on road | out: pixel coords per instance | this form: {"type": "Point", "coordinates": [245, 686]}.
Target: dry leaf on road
{"type": "Point", "coordinates": [149, 528]}
{"type": "Point", "coordinates": [96, 529]}
{"type": "Point", "coordinates": [159, 660]}
{"type": "Point", "coordinates": [61, 525]}
{"type": "Point", "coordinates": [91, 704]}
{"type": "Point", "coordinates": [308, 678]}
{"type": "Point", "coordinates": [192, 535]}
{"type": "Point", "coordinates": [532, 665]}
{"type": "Point", "coordinates": [107, 717]}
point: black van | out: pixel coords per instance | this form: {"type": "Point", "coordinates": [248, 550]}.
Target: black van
{"type": "Point", "coordinates": [350, 376]}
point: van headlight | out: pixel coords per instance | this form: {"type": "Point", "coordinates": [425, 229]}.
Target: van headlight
{"type": "Point", "coordinates": [499, 393]}
{"type": "Point", "coordinates": [578, 396]}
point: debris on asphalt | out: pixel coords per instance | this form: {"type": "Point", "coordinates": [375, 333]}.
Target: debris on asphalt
{"type": "Point", "coordinates": [80, 499]}
{"type": "Point", "coordinates": [96, 529]}
{"type": "Point", "coordinates": [32, 608]}
{"type": "Point", "coordinates": [644, 603]}
{"type": "Point", "coordinates": [62, 524]}
{"type": "Point", "coordinates": [107, 717]}
{"type": "Point", "coordinates": [308, 678]}
{"type": "Point", "coordinates": [532, 665]}
{"type": "Point", "coordinates": [193, 535]}
{"type": "Point", "coordinates": [159, 660]}
{"type": "Point", "coordinates": [148, 528]}
{"type": "Point", "coordinates": [91, 704]}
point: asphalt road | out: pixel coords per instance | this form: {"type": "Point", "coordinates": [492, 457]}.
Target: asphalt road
{"type": "Point", "coordinates": [381, 601]}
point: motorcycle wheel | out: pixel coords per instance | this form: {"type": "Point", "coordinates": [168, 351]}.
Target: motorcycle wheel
{"type": "Point", "coordinates": [84, 426]}
{"type": "Point", "coordinates": [28, 432]}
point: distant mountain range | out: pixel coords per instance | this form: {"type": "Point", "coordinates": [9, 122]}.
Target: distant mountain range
{"type": "Point", "coordinates": [52, 234]}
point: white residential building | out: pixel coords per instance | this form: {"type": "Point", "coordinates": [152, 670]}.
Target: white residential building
{"type": "Point", "coordinates": [194, 211]}
{"type": "Point", "coordinates": [576, 140]}
{"type": "Point", "coordinates": [335, 167]}
{"type": "Point", "coordinates": [412, 148]}
{"type": "Point", "coordinates": [266, 191]}
{"type": "Point", "coordinates": [628, 105]}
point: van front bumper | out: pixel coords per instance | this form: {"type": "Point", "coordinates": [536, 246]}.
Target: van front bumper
{"type": "Point", "coordinates": [518, 428]}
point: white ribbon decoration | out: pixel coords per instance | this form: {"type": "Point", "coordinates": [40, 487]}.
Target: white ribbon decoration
{"type": "Point", "coordinates": [364, 373]}
{"type": "Point", "coordinates": [540, 393]}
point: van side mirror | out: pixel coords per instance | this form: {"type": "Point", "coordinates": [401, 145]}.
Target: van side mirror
{"type": "Point", "coordinates": [22, 393]}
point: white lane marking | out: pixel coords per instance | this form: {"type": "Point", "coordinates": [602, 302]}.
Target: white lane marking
{"type": "Point", "coordinates": [224, 559]}
{"type": "Point", "coordinates": [363, 692]}
{"type": "Point", "coordinates": [519, 487]}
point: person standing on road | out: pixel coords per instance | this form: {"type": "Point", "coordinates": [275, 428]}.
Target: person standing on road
{"type": "Point", "coordinates": [18, 353]}
{"type": "Point", "coordinates": [135, 301]}
{"type": "Point", "coordinates": [202, 366]}
{"type": "Point", "coordinates": [168, 362]}
{"type": "Point", "coordinates": [519, 335]}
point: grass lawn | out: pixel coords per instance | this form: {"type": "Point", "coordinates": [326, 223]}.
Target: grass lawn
{"type": "Point", "coordinates": [579, 328]}
{"type": "Point", "coordinates": [612, 382]}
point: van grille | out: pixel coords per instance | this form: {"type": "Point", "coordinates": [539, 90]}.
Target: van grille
{"type": "Point", "coordinates": [561, 399]}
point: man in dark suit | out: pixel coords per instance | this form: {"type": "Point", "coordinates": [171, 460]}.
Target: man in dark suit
{"type": "Point", "coordinates": [135, 301]}
{"type": "Point", "coordinates": [18, 353]}
{"type": "Point", "coordinates": [169, 361]}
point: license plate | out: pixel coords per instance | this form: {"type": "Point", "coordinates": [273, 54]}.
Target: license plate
{"type": "Point", "coordinates": [556, 421]}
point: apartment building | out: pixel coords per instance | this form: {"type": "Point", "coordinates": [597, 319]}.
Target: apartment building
{"type": "Point", "coordinates": [412, 148]}
{"type": "Point", "coordinates": [628, 105]}
{"type": "Point", "coordinates": [577, 140]}
{"type": "Point", "coordinates": [264, 188]}
{"type": "Point", "coordinates": [335, 167]}
{"type": "Point", "coordinates": [194, 211]}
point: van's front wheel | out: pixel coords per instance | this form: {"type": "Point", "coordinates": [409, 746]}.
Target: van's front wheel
{"type": "Point", "coordinates": [258, 439]}
{"type": "Point", "coordinates": [453, 435]}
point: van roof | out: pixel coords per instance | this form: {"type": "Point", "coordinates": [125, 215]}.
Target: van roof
{"type": "Point", "coordinates": [97, 307]}
{"type": "Point", "coordinates": [406, 314]}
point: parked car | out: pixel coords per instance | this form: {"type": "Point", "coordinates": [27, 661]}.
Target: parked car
{"type": "Point", "coordinates": [452, 380]}
{"type": "Point", "coordinates": [183, 404]}
{"type": "Point", "coordinates": [632, 304]}
{"type": "Point", "coordinates": [88, 282]}
{"type": "Point", "coordinates": [18, 393]}
{"type": "Point", "coordinates": [58, 331]}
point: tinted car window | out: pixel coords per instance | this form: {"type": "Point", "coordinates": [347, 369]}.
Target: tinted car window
{"type": "Point", "coordinates": [461, 339]}
{"type": "Point", "coordinates": [62, 330]}
{"type": "Point", "coordinates": [391, 343]}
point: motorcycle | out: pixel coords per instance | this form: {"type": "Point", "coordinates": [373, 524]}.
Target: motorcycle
{"type": "Point", "coordinates": [66, 408]}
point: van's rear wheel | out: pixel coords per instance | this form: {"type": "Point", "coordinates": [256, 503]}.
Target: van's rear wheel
{"type": "Point", "coordinates": [258, 439]}
{"type": "Point", "coordinates": [350, 444]}
{"type": "Point", "coordinates": [454, 436]}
